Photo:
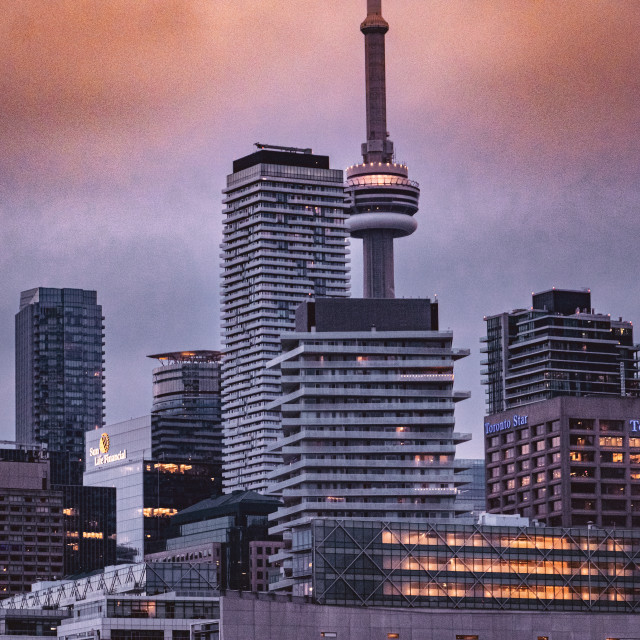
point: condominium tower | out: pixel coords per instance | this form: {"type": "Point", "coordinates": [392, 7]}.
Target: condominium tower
{"type": "Point", "coordinates": [284, 241]}
{"type": "Point", "coordinates": [59, 368]}
{"type": "Point", "coordinates": [558, 347]}
{"type": "Point", "coordinates": [368, 414]}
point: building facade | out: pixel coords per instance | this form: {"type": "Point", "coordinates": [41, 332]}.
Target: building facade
{"type": "Point", "coordinates": [284, 241]}
{"type": "Point", "coordinates": [566, 462]}
{"type": "Point", "coordinates": [31, 520]}
{"type": "Point", "coordinates": [476, 491]}
{"type": "Point", "coordinates": [59, 368]}
{"type": "Point", "coordinates": [367, 414]}
{"type": "Point", "coordinates": [148, 491]}
{"type": "Point", "coordinates": [186, 418]}
{"type": "Point", "coordinates": [230, 532]}
{"type": "Point", "coordinates": [558, 347]}
{"type": "Point", "coordinates": [441, 566]}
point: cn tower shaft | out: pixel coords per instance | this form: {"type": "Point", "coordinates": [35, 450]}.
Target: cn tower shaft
{"type": "Point", "coordinates": [383, 199]}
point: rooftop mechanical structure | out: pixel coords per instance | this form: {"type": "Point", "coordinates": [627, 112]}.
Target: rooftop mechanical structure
{"type": "Point", "coordinates": [383, 199]}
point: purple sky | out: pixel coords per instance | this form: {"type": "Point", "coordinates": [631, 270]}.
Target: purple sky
{"type": "Point", "coordinates": [119, 120]}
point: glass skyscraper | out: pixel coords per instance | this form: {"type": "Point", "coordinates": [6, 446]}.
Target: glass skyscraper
{"type": "Point", "coordinates": [59, 368]}
{"type": "Point", "coordinates": [284, 241]}
{"type": "Point", "coordinates": [186, 419]}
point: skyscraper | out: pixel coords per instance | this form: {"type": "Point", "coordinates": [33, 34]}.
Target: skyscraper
{"type": "Point", "coordinates": [186, 421]}
{"type": "Point", "coordinates": [59, 368]}
{"type": "Point", "coordinates": [284, 241]}
{"type": "Point", "coordinates": [383, 199]}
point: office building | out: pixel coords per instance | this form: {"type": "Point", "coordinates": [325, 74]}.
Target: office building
{"type": "Point", "coordinates": [59, 368]}
{"type": "Point", "coordinates": [558, 347]}
{"type": "Point", "coordinates": [149, 491]}
{"type": "Point", "coordinates": [368, 414]}
{"type": "Point", "coordinates": [475, 492]}
{"type": "Point", "coordinates": [566, 461]}
{"type": "Point", "coordinates": [31, 526]}
{"type": "Point", "coordinates": [230, 532]}
{"type": "Point", "coordinates": [186, 420]}
{"type": "Point", "coordinates": [86, 514]}
{"type": "Point", "coordinates": [284, 241]}
{"type": "Point", "coordinates": [440, 566]}
{"type": "Point", "coordinates": [89, 523]}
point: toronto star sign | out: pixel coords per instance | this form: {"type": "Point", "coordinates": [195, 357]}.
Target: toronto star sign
{"type": "Point", "coordinates": [518, 421]}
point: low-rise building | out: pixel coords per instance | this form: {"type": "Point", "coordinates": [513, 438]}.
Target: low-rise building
{"type": "Point", "coordinates": [442, 566]}
{"type": "Point", "coordinates": [229, 532]}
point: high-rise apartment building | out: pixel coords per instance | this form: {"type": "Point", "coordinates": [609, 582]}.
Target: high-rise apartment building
{"type": "Point", "coordinates": [558, 347]}
{"type": "Point", "coordinates": [285, 241]}
{"type": "Point", "coordinates": [186, 421]}
{"type": "Point", "coordinates": [368, 414]}
{"type": "Point", "coordinates": [59, 368]}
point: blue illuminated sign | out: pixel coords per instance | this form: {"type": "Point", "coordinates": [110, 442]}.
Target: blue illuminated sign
{"type": "Point", "coordinates": [517, 421]}
{"type": "Point", "coordinates": [635, 425]}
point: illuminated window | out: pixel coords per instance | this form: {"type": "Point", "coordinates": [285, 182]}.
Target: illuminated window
{"type": "Point", "coordinates": [393, 635]}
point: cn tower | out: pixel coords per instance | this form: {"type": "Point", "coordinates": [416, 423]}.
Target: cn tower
{"type": "Point", "coordinates": [383, 199]}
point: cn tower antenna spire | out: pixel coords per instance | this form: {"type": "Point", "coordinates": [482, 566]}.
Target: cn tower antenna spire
{"type": "Point", "coordinates": [383, 199]}
{"type": "Point", "coordinates": [378, 147]}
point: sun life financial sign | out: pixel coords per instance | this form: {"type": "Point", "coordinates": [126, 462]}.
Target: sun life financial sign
{"type": "Point", "coordinates": [101, 454]}
{"type": "Point", "coordinates": [503, 425]}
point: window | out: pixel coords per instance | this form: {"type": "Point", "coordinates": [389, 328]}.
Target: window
{"type": "Point", "coordinates": [581, 424]}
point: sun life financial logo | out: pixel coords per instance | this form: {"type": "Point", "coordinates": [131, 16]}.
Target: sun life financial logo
{"type": "Point", "coordinates": [101, 454]}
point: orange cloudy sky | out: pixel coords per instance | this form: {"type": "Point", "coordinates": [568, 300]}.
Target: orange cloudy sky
{"type": "Point", "coordinates": [119, 121]}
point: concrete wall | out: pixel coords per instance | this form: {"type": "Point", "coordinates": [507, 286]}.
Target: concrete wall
{"type": "Point", "coordinates": [251, 617]}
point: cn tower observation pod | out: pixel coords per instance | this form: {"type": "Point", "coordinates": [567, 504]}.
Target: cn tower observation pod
{"type": "Point", "coordinates": [383, 200]}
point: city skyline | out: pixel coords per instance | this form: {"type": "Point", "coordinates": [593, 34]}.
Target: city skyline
{"type": "Point", "coordinates": [113, 161]}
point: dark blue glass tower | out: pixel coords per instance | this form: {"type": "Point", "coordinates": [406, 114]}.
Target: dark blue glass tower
{"type": "Point", "coordinates": [59, 369]}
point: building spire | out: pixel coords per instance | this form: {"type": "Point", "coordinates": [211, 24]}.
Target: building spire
{"type": "Point", "coordinates": [383, 199]}
{"type": "Point", "coordinates": [378, 147]}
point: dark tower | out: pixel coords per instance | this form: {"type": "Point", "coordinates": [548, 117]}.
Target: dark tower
{"type": "Point", "coordinates": [383, 199]}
